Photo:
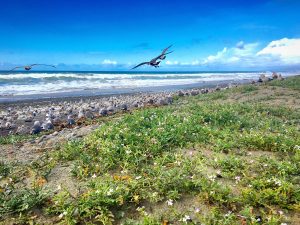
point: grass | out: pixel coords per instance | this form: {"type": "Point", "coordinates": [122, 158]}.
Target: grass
{"type": "Point", "coordinates": [292, 83]}
{"type": "Point", "coordinates": [234, 163]}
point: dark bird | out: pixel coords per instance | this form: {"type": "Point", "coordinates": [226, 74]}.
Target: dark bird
{"type": "Point", "coordinates": [29, 67]}
{"type": "Point", "coordinates": [154, 62]}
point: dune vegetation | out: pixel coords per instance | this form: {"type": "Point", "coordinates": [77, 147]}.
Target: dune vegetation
{"type": "Point", "coordinates": [227, 157]}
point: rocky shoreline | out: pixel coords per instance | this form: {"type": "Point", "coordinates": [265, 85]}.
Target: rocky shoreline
{"type": "Point", "coordinates": [35, 117]}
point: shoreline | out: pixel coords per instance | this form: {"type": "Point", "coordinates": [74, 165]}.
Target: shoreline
{"type": "Point", "coordinates": [95, 94]}
{"type": "Point", "coordinates": [54, 114]}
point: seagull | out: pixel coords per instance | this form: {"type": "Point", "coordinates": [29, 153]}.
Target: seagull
{"type": "Point", "coordinates": [29, 67]}
{"type": "Point", "coordinates": [154, 62]}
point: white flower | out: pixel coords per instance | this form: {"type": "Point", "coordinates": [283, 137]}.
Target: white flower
{"type": "Point", "coordinates": [62, 215]}
{"type": "Point", "coordinates": [59, 187]}
{"type": "Point", "coordinates": [110, 191]}
{"type": "Point", "coordinates": [228, 213]}
{"type": "Point", "coordinates": [124, 171]}
{"type": "Point", "coordinates": [280, 212]}
{"type": "Point", "coordinates": [186, 218]}
{"type": "Point", "coordinates": [178, 163]}
{"type": "Point", "coordinates": [138, 177]}
{"type": "Point", "coordinates": [128, 152]}
{"type": "Point", "coordinates": [212, 177]}
{"type": "Point", "coordinates": [197, 210]}
{"type": "Point", "coordinates": [94, 176]}
{"type": "Point", "coordinates": [170, 202]}
{"type": "Point", "coordinates": [140, 208]}
{"type": "Point", "coordinates": [237, 179]}
{"type": "Point", "coordinates": [283, 224]}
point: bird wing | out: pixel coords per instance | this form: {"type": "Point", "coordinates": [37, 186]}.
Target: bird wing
{"type": "Point", "coordinates": [166, 49]}
{"type": "Point", "coordinates": [42, 65]}
{"type": "Point", "coordinates": [143, 63]}
{"type": "Point", "coordinates": [17, 67]}
{"type": "Point", "coordinates": [155, 59]}
{"type": "Point", "coordinates": [162, 54]}
{"type": "Point", "coordinates": [168, 52]}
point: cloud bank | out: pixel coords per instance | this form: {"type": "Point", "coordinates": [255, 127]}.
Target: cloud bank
{"type": "Point", "coordinates": [283, 53]}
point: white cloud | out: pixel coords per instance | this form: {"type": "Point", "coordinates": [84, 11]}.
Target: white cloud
{"type": "Point", "coordinates": [109, 62]}
{"type": "Point", "coordinates": [283, 52]}
{"type": "Point", "coordinates": [214, 58]}
{"type": "Point", "coordinates": [171, 63]}
{"type": "Point", "coordinates": [288, 50]}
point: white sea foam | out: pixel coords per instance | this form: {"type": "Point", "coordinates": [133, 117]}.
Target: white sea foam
{"type": "Point", "coordinates": [43, 83]}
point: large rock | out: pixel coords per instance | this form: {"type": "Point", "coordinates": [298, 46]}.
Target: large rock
{"type": "Point", "coordinates": [28, 118]}
{"type": "Point", "coordinates": [280, 77]}
{"type": "Point", "coordinates": [47, 125]}
{"type": "Point", "coordinates": [56, 121]}
{"type": "Point", "coordinates": [103, 112]}
{"type": "Point", "coordinates": [162, 102]}
{"type": "Point", "coordinates": [22, 130]}
{"type": "Point", "coordinates": [204, 91]}
{"type": "Point", "coordinates": [262, 78]}
{"type": "Point", "coordinates": [88, 114]}
{"type": "Point", "coordinates": [194, 92]}
{"type": "Point", "coordinates": [36, 128]}
{"type": "Point", "coordinates": [275, 75]}
{"type": "Point", "coordinates": [124, 107]}
{"type": "Point", "coordinates": [169, 99]}
{"type": "Point", "coordinates": [180, 93]}
{"type": "Point", "coordinates": [70, 120]}
{"type": "Point", "coordinates": [81, 114]}
{"type": "Point", "coordinates": [111, 109]}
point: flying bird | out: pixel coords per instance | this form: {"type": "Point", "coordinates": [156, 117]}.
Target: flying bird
{"type": "Point", "coordinates": [154, 62]}
{"type": "Point", "coordinates": [29, 67]}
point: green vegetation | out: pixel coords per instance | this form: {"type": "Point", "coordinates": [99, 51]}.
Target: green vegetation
{"type": "Point", "coordinates": [292, 82]}
{"type": "Point", "coordinates": [202, 160]}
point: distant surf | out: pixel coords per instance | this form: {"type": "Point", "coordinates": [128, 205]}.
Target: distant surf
{"type": "Point", "coordinates": [43, 83]}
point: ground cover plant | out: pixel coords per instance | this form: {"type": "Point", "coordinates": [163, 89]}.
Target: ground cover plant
{"type": "Point", "coordinates": [228, 157]}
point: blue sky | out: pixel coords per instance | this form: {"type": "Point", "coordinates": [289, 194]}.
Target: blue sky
{"type": "Point", "coordinates": [117, 34]}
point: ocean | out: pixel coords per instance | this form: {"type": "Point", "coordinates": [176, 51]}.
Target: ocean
{"type": "Point", "coordinates": [38, 84]}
